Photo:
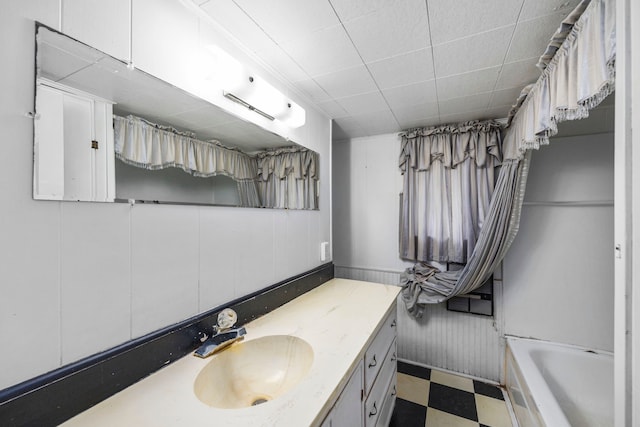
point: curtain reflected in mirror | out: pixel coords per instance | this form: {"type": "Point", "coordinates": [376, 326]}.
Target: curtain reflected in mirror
{"type": "Point", "coordinates": [284, 178]}
{"type": "Point", "coordinates": [106, 132]}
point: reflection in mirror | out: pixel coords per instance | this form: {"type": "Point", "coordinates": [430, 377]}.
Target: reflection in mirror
{"type": "Point", "coordinates": [107, 132]}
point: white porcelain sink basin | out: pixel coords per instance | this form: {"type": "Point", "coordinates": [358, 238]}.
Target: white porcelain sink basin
{"type": "Point", "coordinates": [254, 372]}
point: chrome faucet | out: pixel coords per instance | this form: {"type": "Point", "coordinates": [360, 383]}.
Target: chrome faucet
{"type": "Point", "coordinates": [224, 334]}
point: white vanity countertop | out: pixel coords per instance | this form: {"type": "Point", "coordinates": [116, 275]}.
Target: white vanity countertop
{"type": "Point", "coordinates": [338, 319]}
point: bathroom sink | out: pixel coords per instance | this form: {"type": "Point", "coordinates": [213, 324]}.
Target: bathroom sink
{"type": "Point", "coordinates": [254, 372]}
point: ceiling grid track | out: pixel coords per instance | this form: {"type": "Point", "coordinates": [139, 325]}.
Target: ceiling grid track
{"type": "Point", "coordinates": [365, 66]}
{"type": "Point", "coordinates": [433, 58]}
{"type": "Point", "coordinates": [506, 54]}
{"type": "Point", "coordinates": [283, 51]}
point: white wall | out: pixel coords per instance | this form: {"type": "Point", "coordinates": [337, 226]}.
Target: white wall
{"type": "Point", "coordinates": [367, 183]}
{"type": "Point", "coordinates": [558, 277]}
{"type": "Point", "coordinates": [174, 185]}
{"type": "Point", "coordinates": [558, 274]}
{"type": "Point", "coordinates": [77, 278]}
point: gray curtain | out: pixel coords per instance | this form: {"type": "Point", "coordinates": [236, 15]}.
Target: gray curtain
{"type": "Point", "coordinates": [448, 175]}
{"type": "Point", "coordinates": [578, 77]}
{"type": "Point", "coordinates": [150, 146]}
{"type": "Point", "coordinates": [288, 178]}
{"type": "Point", "coordinates": [248, 192]}
{"type": "Point", "coordinates": [424, 284]}
{"type": "Point", "coordinates": [147, 145]}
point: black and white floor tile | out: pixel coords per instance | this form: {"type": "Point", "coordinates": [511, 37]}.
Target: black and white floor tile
{"type": "Point", "coordinates": [432, 398]}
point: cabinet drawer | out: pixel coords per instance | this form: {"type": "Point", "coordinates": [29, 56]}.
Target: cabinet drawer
{"type": "Point", "coordinates": [377, 398]}
{"type": "Point", "coordinates": [389, 403]}
{"type": "Point", "coordinates": [378, 350]}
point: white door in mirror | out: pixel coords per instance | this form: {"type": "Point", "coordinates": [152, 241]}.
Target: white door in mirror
{"type": "Point", "coordinates": [73, 145]}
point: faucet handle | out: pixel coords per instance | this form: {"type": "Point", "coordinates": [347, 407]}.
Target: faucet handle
{"type": "Point", "coordinates": [226, 319]}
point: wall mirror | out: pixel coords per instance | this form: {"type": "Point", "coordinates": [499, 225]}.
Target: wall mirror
{"type": "Point", "coordinates": [107, 132]}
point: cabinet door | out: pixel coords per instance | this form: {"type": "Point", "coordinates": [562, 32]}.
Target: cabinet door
{"type": "Point", "coordinates": [73, 147]}
{"type": "Point", "coordinates": [78, 133]}
{"type": "Point", "coordinates": [48, 168]}
{"type": "Point", "coordinates": [348, 409]}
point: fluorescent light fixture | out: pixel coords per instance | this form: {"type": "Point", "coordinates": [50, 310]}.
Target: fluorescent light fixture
{"type": "Point", "coordinates": [253, 92]}
{"type": "Point", "coordinates": [247, 105]}
{"type": "Point", "coordinates": [295, 116]}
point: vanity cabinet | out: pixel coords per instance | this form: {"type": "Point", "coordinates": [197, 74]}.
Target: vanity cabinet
{"type": "Point", "coordinates": [369, 397]}
{"type": "Point", "coordinates": [347, 412]}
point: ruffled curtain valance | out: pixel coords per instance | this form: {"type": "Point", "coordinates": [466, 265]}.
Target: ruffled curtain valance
{"type": "Point", "coordinates": [451, 145]}
{"type": "Point", "coordinates": [150, 146]}
{"type": "Point", "coordinates": [288, 178]}
{"type": "Point", "coordinates": [297, 162]}
{"type": "Point", "coordinates": [578, 77]}
{"type": "Point", "coordinates": [447, 184]}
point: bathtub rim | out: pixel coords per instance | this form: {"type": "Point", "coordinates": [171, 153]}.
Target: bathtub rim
{"type": "Point", "coordinates": [546, 406]}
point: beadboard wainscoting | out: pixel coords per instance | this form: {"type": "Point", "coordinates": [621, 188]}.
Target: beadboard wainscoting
{"type": "Point", "coordinates": [459, 342]}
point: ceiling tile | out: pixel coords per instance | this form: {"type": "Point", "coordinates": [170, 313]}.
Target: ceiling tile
{"type": "Point", "coordinates": [57, 70]}
{"type": "Point", "coordinates": [284, 65]}
{"type": "Point", "coordinates": [401, 27]}
{"type": "Point", "coordinates": [536, 8]}
{"type": "Point", "coordinates": [310, 88]}
{"type": "Point", "coordinates": [426, 122]}
{"type": "Point", "coordinates": [462, 117]}
{"type": "Point", "coordinates": [416, 113]}
{"type": "Point", "coordinates": [234, 20]}
{"type": "Point", "coordinates": [505, 97]}
{"type": "Point", "coordinates": [332, 108]}
{"type": "Point", "coordinates": [285, 20]}
{"type": "Point", "coordinates": [468, 83]}
{"type": "Point", "coordinates": [483, 114]}
{"type": "Point", "coordinates": [464, 104]}
{"type": "Point", "coordinates": [250, 35]}
{"type": "Point", "coordinates": [351, 81]}
{"type": "Point", "coordinates": [199, 118]}
{"type": "Point", "coordinates": [480, 51]}
{"type": "Point", "coordinates": [518, 74]}
{"type": "Point", "coordinates": [363, 103]}
{"type": "Point", "coordinates": [350, 9]}
{"type": "Point", "coordinates": [413, 94]}
{"type": "Point", "coordinates": [497, 112]}
{"type": "Point", "coordinates": [403, 69]}
{"type": "Point", "coordinates": [378, 123]}
{"type": "Point", "coordinates": [469, 17]}
{"type": "Point", "coordinates": [323, 45]}
{"type": "Point", "coordinates": [331, 50]}
{"type": "Point", "coordinates": [532, 37]}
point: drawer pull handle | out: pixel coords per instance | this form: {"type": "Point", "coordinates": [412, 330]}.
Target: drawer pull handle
{"type": "Point", "coordinates": [394, 357]}
{"type": "Point", "coordinates": [393, 324]}
{"type": "Point", "coordinates": [374, 362]}
{"type": "Point", "coordinates": [394, 392]}
{"type": "Point", "coordinates": [374, 410]}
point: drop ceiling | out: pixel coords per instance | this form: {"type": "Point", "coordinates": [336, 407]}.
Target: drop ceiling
{"type": "Point", "coordinates": [382, 66]}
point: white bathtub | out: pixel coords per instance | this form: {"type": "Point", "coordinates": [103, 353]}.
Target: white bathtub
{"type": "Point", "coordinates": [557, 385]}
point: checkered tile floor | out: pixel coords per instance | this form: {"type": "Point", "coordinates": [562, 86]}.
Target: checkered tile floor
{"type": "Point", "coordinates": [431, 398]}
